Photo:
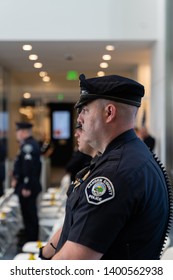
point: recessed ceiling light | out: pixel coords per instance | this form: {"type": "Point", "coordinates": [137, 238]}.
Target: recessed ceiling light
{"type": "Point", "coordinates": [27, 95]}
{"type": "Point", "coordinates": [100, 73]}
{"type": "Point", "coordinates": [46, 79]}
{"type": "Point", "coordinates": [27, 47]}
{"type": "Point", "coordinates": [33, 57]}
{"type": "Point", "coordinates": [38, 64]}
{"type": "Point", "coordinates": [110, 48]}
{"type": "Point", "coordinates": [104, 65]}
{"type": "Point", "coordinates": [106, 57]}
{"type": "Point", "coordinates": [42, 74]}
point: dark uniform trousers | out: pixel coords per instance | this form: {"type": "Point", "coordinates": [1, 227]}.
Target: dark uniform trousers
{"type": "Point", "coordinates": [30, 217]}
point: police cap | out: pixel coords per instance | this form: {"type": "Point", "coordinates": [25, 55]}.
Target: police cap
{"type": "Point", "coordinates": [23, 125]}
{"type": "Point", "coordinates": [113, 87]}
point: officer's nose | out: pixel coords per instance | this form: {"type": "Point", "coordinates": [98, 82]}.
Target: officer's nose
{"type": "Point", "coordinates": [80, 119]}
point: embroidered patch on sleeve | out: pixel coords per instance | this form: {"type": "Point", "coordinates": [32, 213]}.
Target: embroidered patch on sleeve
{"type": "Point", "coordinates": [99, 190]}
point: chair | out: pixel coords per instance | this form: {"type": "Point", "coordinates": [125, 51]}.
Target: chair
{"type": "Point", "coordinates": [30, 250]}
{"type": "Point", "coordinates": [26, 256]}
{"type": "Point", "coordinates": [32, 247]}
{"type": "Point", "coordinates": [51, 217]}
{"type": "Point", "coordinates": [9, 220]}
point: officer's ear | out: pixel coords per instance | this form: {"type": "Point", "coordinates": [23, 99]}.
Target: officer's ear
{"type": "Point", "coordinates": [111, 111]}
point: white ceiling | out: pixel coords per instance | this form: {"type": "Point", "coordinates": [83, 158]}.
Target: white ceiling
{"type": "Point", "coordinates": [59, 57]}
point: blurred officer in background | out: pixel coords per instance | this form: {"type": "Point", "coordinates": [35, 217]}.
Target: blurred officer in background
{"type": "Point", "coordinates": [78, 161]}
{"type": "Point", "coordinates": [3, 154]}
{"type": "Point", "coordinates": [26, 178]}
{"type": "Point", "coordinates": [86, 149]}
{"type": "Point", "coordinates": [123, 209]}
{"type": "Point", "coordinates": [147, 138]}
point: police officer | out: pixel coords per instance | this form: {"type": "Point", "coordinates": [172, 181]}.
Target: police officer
{"type": "Point", "coordinates": [86, 149]}
{"type": "Point", "coordinates": [26, 178]}
{"type": "Point", "coordinates": [80, 159]}
{"type": "Point", "coordinates": [122, 210]}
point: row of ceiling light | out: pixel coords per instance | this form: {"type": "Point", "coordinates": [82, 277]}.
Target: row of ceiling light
{"type": "Point", "coordinates": [106, 57]}
{"type": "Point", "coordinates": [44, 75]}
{"type": "Point", "coordinates": [38, 65]}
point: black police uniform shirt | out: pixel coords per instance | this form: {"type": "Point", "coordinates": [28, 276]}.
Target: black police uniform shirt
{"type": "Point", "coordinates": [78, 161]}
{"type": "Point", "coordinates": [27, 167]}
{"type": "Point", "coordinates": [121, 209]}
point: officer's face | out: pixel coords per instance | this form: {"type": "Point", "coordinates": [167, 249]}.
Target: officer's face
{"type": "Point", "coordinates": [91, 119]}
{"type": "Point", "coordinates": [20, 135]}
{"type": "Point", "coordinates": [83, 146]}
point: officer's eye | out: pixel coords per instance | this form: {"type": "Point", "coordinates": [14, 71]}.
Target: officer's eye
{"type": "Point", "coordinates": [84, 110]}
{"type": "Point", "coordinates": [79, 110]}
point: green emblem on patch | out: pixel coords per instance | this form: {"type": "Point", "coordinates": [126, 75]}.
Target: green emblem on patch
{"type": "Point", "coordinates": [99, 190]}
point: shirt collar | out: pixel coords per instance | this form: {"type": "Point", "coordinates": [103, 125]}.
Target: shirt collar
{"type": "Point", "coordinates": [121, 139]}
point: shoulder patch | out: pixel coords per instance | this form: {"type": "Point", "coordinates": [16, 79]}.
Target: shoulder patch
{"type": "Point", "coordinates": [27, 148]}
{"type": "Point", "coordinates": [99, 190]}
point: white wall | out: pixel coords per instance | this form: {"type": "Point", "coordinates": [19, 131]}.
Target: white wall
{"type": "Point", "coordinates": [169, 90]}
{"type": "Point", "coordinates": [78, 20]}
{"type": "Point", "coordinates": [144, 77]}
{"type": "Point", "coordinates": [158, 84]}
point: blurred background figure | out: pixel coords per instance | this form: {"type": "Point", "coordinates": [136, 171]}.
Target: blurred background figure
{"type": "Point", "coordinates": [85, 149]}
{"type": "Point", "coordinates": [147, 138]}
{"type": "Point", "coordinates": [81, 156]}
{"type": "Point", "coordinates": [26, 179]}
{"type": "Point", "coordinates": [3, 153]}
{"type": "Point", "coordinates": [46, 146]}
